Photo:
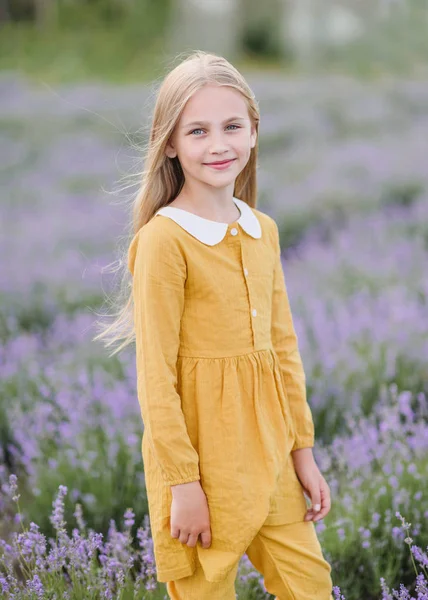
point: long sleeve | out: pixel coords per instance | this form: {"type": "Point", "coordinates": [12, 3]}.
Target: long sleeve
{"type": "Point", "coordinates": [285, 343]}
{"type": "Point", "coordinates": [159, 273]}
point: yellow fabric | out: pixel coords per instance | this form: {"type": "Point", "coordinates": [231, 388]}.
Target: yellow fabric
{"type": "Point", "coordinates": [289, 558]}
{"type": "Point", "coordinates": [222, 390]}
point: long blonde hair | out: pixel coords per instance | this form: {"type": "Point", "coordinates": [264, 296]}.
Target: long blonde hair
{"type": "Point", "coordinates": [162, 178]}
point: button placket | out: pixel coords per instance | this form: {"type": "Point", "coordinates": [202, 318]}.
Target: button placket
{"type": "Point", "coordinates": [234, 231]}
{"type": "Point", "coordinates": [252, 310]}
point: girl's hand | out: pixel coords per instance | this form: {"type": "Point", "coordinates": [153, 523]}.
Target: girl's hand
{"type": "Point", "coordinates": [189, 514]}
{"type": "Point", "coordinates": [313, 483]}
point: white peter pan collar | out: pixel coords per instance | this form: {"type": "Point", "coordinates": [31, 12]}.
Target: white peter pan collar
{"type": "Point", "coordinates": [212, 232]}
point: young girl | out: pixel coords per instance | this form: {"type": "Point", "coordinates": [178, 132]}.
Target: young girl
{"type": "Point", "coordinates": [228, 433]}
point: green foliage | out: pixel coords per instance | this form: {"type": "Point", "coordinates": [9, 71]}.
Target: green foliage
{"type": "Point", "coordinates": [257, 39]}
{"type": "Point", "coordinates": [125, 41]}
{"type": "Point", "coordinates": [386, 553]}
{"type": "Point", "coordinates": [403, 194]}
{"type": "Point", "coordinates": [102, 40]}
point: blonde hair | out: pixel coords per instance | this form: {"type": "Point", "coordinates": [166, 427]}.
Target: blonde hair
{"type": "Point", "coordinates": [162, 178]}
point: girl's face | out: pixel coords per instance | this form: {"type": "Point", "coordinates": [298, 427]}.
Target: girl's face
{"type": "Point", "coordinates": [214, 127]}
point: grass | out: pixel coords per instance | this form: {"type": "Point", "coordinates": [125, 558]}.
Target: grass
{"type": "Point", "coordinates": [89, 54]}
{"type": "Point", "coordinates": [66, 55]}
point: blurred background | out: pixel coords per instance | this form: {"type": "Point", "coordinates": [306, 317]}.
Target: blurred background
{"type": "Point", "coordinates": [343, 93]}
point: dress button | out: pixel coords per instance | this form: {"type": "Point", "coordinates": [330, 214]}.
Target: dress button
{"type": "Point", "coordinates": [254, 312]}
{"type": "Point", "coordinates": [246, 271]}
{"type": "Point", "coordinates": [233, 231]}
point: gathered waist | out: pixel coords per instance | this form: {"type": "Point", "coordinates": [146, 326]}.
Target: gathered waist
{"type": "Point", "coordinates": [244, 352]}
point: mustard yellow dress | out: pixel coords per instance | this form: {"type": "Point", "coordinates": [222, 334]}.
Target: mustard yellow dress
{"type": "Point", "coordinates": [220, 381]}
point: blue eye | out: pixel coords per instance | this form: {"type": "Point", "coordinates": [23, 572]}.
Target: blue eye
{"type": "Point", "coordinates": [193, 131]}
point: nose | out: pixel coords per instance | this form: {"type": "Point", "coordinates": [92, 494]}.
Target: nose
{"type": "Point", "coordinates": [218, 143]}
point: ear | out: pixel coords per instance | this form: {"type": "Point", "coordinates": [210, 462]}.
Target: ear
{"type": "Point", "coordinates": [253, 137]}
{"type": "Point", "coordinates": [170, 151]}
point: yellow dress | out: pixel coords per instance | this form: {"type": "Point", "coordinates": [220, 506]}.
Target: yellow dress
{"type": "Point", "coordinates": [220, 381]}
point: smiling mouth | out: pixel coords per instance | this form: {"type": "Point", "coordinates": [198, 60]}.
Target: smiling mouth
{"type": "Point", "coordinates": [222, 162]}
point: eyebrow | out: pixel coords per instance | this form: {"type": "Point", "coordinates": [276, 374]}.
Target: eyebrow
{"type": "Point", "coordinates": [206, 123]}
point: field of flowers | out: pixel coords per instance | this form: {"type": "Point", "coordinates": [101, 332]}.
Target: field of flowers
{"type": "Point", "coordinates": [343, 171]}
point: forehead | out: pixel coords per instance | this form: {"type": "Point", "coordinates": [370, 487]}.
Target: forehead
{"type": "Point", "coordinates": [214, 103]}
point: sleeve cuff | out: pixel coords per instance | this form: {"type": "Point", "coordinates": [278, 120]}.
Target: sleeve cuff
{"type": "Point", "coordinates": [303, 443]}
{"type": "Point", "coordinates": [183, 480]}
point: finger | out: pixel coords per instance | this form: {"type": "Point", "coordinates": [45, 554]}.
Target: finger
{"type": "Point", "coordinates": [310, 514]}
{"type": "Point", "coordinates": [314, 495]}
{"type": "Point", "coordinates": [205, 539]}
{"type": "Point", "coordinates": [326, 505]}
{"type": "Point", "coordinates": [321, 514]}
{"type": "Point", "coordinates": [193, 538]}
{"type": "Point", "coordinates": [175, 531]}
{"type": "Point", "coordinates": [316, 500]}
{"type": "Point", "coordinates": [184, 536]}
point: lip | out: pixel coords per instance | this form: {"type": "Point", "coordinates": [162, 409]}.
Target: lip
{"type": "Point", "coordinates": [221, 164]}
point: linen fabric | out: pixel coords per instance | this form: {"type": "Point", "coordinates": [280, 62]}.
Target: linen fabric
{"type": "Point", "coordinates": [220, 381]}
{"type": "Point", "coordinates": [288, 557]}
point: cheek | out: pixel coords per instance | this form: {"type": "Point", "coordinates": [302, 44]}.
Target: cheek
{"type": "Point", "coordinates": [244, 151]}
{"type": "Point", "coordinates": [243, 145]}
{"type": "Point", "coordinates": [192, 153]}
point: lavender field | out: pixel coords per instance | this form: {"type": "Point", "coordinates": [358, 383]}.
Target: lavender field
{"type": "Point", "coordinates": [343, 170]}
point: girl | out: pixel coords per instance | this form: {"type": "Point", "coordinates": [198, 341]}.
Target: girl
{"type": "Point", "coordinates": [228, 433]}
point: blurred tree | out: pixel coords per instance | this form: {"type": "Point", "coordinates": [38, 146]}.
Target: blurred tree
{"type": "Point", "coordinates": [312, 25]}
{"type": "Point", "coordinates": [18, 10]}
{"type": "Point", "coordinates": [262, 33]}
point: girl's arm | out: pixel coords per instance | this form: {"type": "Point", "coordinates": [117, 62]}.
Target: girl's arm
{"type": "Point", "coordinates": [285, 344]}
{"type": "Point", "coordinates": [159, 273]}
